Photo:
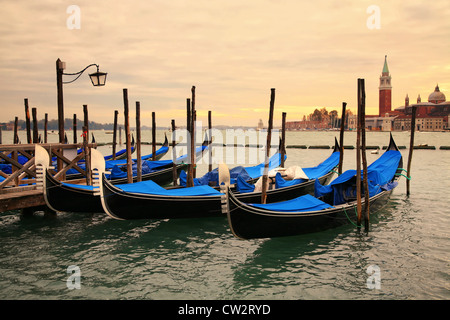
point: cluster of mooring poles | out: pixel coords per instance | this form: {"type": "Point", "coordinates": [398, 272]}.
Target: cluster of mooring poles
{"type": "Point", "coordinates": [33, 135]}
{"type": "Point", "coordinates": [361, 159]}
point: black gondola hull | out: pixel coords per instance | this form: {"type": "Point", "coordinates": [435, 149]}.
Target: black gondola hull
{"type": "Point", "coordinates": [132, 206]}
{"type": "Point", "coordinates": [60, 197]}
{"type": "Point", "coordinates": [283, 194]}
{"type": "Point", "coordinates": [248, 223]}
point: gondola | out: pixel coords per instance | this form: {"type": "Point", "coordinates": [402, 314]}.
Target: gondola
{"type": "Point", "coordinates": [122, 154]}
{"type": "Point", "coordinates": [160, 153]}
{"type": "Point", "coordinates": [160, 171]}
{"type": "Point", "coordinates": [243, 179]}
{"type": "Point", "coordinates": [69, 197]}
{"type": "Point", "coordinates": [147, 200]}
{"type": "Point", "coordinates": [332, 206]}
{"type": "Point", "coordinates": [248, 174]}
{"type": "Point", "coordinates": [281, 189]}
{"type": "Point", "coordinates": [72, 174]}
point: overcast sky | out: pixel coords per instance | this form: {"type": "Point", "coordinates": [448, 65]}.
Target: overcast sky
{"type": "Point", "coordinates": [233, 51]}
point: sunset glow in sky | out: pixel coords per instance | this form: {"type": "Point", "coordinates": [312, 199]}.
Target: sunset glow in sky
{"type": "Point", "coordinates": [233, 51]}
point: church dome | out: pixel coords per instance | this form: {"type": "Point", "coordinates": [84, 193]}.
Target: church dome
{"type": "Point", "coordinates": [436, 96]}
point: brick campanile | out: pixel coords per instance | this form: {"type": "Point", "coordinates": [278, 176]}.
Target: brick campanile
{"type": "Point", "coordinates": [385, 90]}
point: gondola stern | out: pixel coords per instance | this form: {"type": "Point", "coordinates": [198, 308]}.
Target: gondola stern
{"type": "Point", "coordinates": [337, 147]}
{"type": "Point", "coordinates": [102, 183]}
{"type": "Point", "coordinates": [392, 145]}
{"type": "Point", "coordinates": [166, 141]}
{"type": "Point", "coordinates": [41, 156]}
{"type": "Point", "coordinates": [42, 159]}
{"type": "Point", "coordinates": [97, 161]}
{"type": "Point", "coordinates": [232, 204]}
{"type": "Point", "coordinates": [99, 180]}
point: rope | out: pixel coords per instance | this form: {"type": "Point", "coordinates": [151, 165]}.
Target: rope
{"type": "Point", "coordinates": [400, 174]}
{"type": "Point", "coordinates": [350, 219]}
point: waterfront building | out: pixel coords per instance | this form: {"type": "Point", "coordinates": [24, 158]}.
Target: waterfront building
{"type": "Point", "coordinates": [430, 116]}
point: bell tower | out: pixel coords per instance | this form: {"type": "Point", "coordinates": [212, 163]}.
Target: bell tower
{"type": "Point", "coordinates": [385, 89]}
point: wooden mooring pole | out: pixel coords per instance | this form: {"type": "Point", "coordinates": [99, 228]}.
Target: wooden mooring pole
{"type": "Point", "coordinates": [45, 127]}
{"type": "Point", "coordinates": [341, 138]}
{"type": "Point", "coordinates": [411, 148]}
{"type": "Point", "coordinates": [35, 125]}
{"type": "Point", "coordinates": [174, 155]}
{"type": "Point", "coordinates": [127, 137]}
{"type": "Point", "coordinates": [87, 151]}
{"type": "Point", "coordinates": [114, 143]}
{"type": "Point", "coordinates": [27, 120]}
{"type": "Point", "coordinates": [86, 121]}
{"type": "Point", "coordinates": [363, 155]}
{"type": "Point", "coordinates": [86, 148]}
{"type": "Point", "coordinates": [16, 135]}
{"type": "Point", "coordinates": [74, 127]}
{"type": "Point", "coordinates": [138, 141]}
{"type": "Point", "coordinates": [189, 179]}
{"type": "Point", "coordinates": [283, 138]}
{"type": "Point", "coordinates": [210, 139]}
{"type": "Point", "coordinates": [59, 86]}
{"type": "Point", "coordinates": [358, 158]}
{"type": "Point", "coordinates": [193, 132]}
{"type": "Point", "coordinates": [269, 139]}
{"type": "Point", "coordinates": [153, 136]}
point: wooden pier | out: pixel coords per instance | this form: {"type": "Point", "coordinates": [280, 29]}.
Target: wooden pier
{"type": "Point", "coordinates": [19, 188]}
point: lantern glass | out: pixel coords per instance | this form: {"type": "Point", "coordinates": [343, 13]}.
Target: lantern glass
{"type": "Point", "coordinates": [98, 78]}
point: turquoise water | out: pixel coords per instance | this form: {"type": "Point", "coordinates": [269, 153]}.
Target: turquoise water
{"type": "Point", "coordinates": [200, 259]}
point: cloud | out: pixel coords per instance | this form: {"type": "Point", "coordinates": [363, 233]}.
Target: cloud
{"type": "Point", "coordinates": [232, 51]}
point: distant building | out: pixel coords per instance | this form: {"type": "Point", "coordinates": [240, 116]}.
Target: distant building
{"type": "Point", "coordinates": [423, 123]}
{"type": "Point", "coordinates": [306, 125]}
{"type": "Point", "coordinates": [385, 91]}
{"type": "Point", "coordinates": [430, 116]}
{"type": "Point", "coordinates": [352, 122]}
{"type": "Point", "coordinates": [260, 125]}
{"type": "Point", "coordinates": [380, 123]}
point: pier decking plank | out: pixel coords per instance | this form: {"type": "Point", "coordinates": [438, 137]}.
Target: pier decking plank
{"type": "Point", "coordinates": [20, 200]}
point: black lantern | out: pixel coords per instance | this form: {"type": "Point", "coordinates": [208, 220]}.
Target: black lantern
{"type": "Point", "coordinates": [98, 78]}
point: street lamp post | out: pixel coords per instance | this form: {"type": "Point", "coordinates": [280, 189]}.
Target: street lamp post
{"type": "Point", "coordinates": [97, 78]}
{"type": "Point", "coordinates": [59, 82]}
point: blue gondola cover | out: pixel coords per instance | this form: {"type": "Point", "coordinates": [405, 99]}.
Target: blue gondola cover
{"type": "Point", "coordinates": [379, 176]}
{"type": "Point", "coordinates": [300, 204]}
{"type": "Point", "coordinates": [152, 188]}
